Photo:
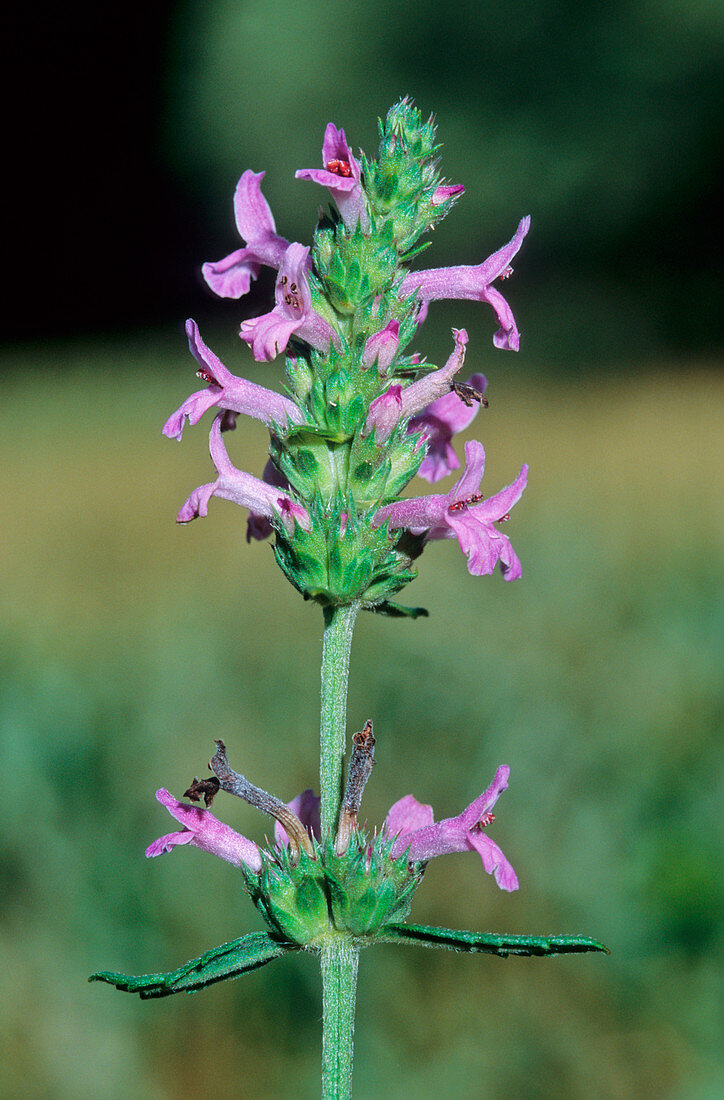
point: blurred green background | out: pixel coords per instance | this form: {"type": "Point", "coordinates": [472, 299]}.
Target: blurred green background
{"type": "Point", "coordinates": [128, 643]}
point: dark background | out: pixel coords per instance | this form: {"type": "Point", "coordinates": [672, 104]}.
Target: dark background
{"type": "Point", "coordinates": [128, 127]}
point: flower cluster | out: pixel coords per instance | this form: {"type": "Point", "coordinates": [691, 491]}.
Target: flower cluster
{"type": "Point", "coordinates": [314, 891]}
{"type": "Point", "coordinates": [363, 414]}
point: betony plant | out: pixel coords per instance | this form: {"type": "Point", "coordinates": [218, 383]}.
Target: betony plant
{"type": "Point", "coordinates": [362, 416]}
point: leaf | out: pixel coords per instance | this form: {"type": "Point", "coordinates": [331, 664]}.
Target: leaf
{"type": "Point", "coordinates": [397, 611]}
{"type": "Point", "coordinates": [489, 943]}
{"type": "Point", "coordinates": [228, 961]}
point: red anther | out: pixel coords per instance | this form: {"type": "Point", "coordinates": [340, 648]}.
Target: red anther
{"type": "Point", "coordinates": [506, 272]}
{"type": "Point", "coordinates": [458, 506]}
{"type": "Point", "coordinates": [339, 168]}
{"type": "Point", "coordinates": [504, 518]}
{"type": "Point", "coordinates": [486, 819]}
{"type": "Point", "coordinates": [205, 376]}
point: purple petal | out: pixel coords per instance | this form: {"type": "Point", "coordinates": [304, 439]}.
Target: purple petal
{"type": "Point", "coordinates": [495, 507]}
{"type": "Point", "coordinates": [206, 832]}
{"type": "Point", "coordinates": [252, 212]}
{"type": "Point", "coordinates": [231, 277]}
{"type": "Point", "coordinates": [241, 488]}
{"type": "Point", "coordinates": [421, 393]}
{"type": "Point", "coordinates": [446, 191]}
{"type": "Point", "coordinates": [485, 802]}
{"type": "Point", "coordinates": [382, 347]}
{"type": "Point", "coordinates": [473, 283]}
{"type": "Point", "coordinates": [269, 335]}
{"type": "Point", "coordinates": [192, 409]}
{"type": "Point", "coordinates": [407, 816]}
{"type": "Point", "coordinates": [384, 412]}
{"type": "Point", "coordinates": [460, 834]}
{"type": "Point", "coordinates": [469, 483]}
{"type": "Point", "coordinates": [494, 862]}
{"type": "Point", "coordinates": [341, 175]}
{"type": "Point", "coordinates": [416, 513]}
{"type": "Point", "coordinates": [439, 422]}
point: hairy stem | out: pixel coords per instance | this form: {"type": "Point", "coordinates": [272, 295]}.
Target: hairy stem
{"type": "Point", "coordinates": [339, 985]}
{"type": "Point", "coordinates": [339, 957]}
{"type": "Point", "coordinates": [338, 627]}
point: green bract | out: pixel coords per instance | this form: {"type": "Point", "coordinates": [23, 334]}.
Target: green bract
{"type": "Point", "coordinates": [318, 898]}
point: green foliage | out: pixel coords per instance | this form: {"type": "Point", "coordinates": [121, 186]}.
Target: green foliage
{"type": "Point", "coordinates": [231, 960]}
{"type": "Point", "coordinates": [490, 943]}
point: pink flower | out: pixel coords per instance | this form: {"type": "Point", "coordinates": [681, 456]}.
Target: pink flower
{"type": "Point", "coordinates": [202, 830]}
{"type": "Point", "coordinates": [261, 499]}
{"type": "Point", "coordinates": [226, 391]}
{"type": "Point", "coordinates": [231, 277]}
{"type": "Point", "coordinates": [413, 826]}
{"type": "Point", "coordinates": [474, 283]}
{"type": "Point", "coordinates": [466, 515]}
{"type": "Point", "coordinates": [258, 527]}
{"type": "Point", "coordinates": [293, 314]}
{"type": "Point", "coordinates": [446, 191]}
{"type": "Point", "coordinates": [382, 348]}
{"type": "Point", "coordinates": [439, 422]}
{"type": "Point", "coordinates": [395, 403]}
{"type": "Point", "coordinates": [342, 175]}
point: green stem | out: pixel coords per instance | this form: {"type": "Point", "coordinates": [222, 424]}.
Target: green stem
{"type": "Point", "coordinates": [339, 957]}
{"type": "Point", "coordinates": [339, 989]}
{"type": "Point", "coordinates": [338, 627]}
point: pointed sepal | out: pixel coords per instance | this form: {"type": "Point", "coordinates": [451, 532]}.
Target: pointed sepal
{"type": "Point", "coordinates": [489, 943]}
{"type": "Point", "coordinates": [230, 960]}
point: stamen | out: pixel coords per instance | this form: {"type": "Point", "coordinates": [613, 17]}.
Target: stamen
{"type": "Point", "coordinates": [486, 819]}
{"type": "Point", "coordinates": [506, 272]}
{"type": "Point", "coordinates": [339, 168]}
{"type": "Point", "coordinates": [460, 505]}
{"type": "Point", "coordinates": [206, 376]}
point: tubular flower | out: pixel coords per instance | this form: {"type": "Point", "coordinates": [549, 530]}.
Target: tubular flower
{"type": "Point", "coordinates": [231, 277]}
{"type": "Point", "coordinates": [342, 176]}
{"type": "Point", "coordinates": [293, 314]}
{"type": "Point", "coordinates": [261, 499]}
{"type": "Point", "coordinates": [258, 527]}
{"type": "Point", "coordinates": [413, 825]}
{"type": "Point", "coordinates": [398, 403]}
{"type": "Point", "coordinates": [226, 391]}
{"type": "Point", "coordinates": [464, 514]}
{"type": "Point", "coordinates": [202, 830]}
{"type": "Point", "coordinates": [439, 422]}
{"type": "Point", "coordinates": [362, 411]}
{"type": "Point", "coordinates": [475, 283]}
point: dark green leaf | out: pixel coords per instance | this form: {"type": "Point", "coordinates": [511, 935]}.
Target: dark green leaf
{"type": "Point", "coordinates": [489, 943]}
{"type": "Point", "coordinates": [228, 961]}
{"type": "Point", "coordinates": [398, 611]}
